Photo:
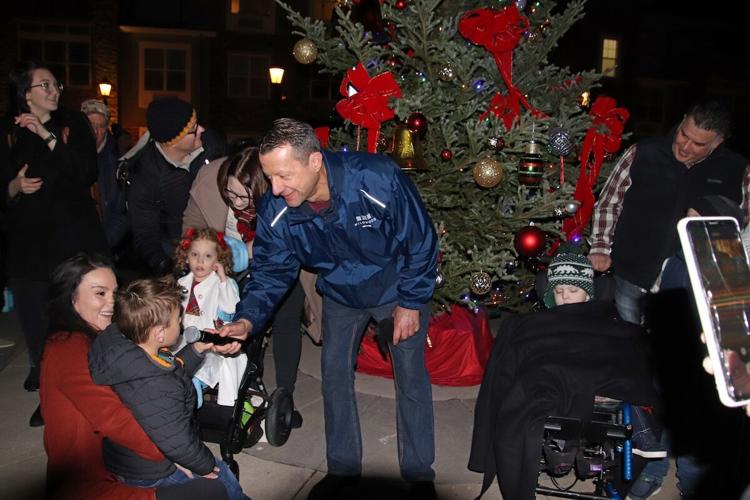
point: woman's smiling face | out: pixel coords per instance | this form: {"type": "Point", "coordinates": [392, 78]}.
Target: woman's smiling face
{"type": "Point", "coordinates": [94, 299]}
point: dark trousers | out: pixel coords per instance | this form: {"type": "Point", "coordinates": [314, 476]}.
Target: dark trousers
{"type": "Point", "coordinates": [31, 300]}
{"type": "Point", "coordinates": [287, 337]}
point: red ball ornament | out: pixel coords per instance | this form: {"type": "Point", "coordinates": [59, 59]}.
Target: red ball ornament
{"type": "Point", "coordinates": [529, 241]}
{"type": "Point", "coordinates": [446, 154]}
{"type": "Point", "coordinates": [399, 4]}
{"type": "Point", "coordinates": [417, 123]}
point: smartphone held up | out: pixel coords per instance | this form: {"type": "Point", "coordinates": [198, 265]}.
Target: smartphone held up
{"type": "Point", "coordinates": [720, 279]}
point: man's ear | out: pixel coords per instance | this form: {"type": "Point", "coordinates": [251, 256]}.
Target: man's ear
{"type": "Point", "coordinates": [316, 160]}
{"type": "Point", "coordinates": [160, 334]}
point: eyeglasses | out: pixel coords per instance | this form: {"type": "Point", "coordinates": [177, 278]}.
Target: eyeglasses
{"type": "Point", "coordinates": [47, 86]}
{"type": "Point", "coordinates": [194, 131]}
{"type": "Point", "coordinates": [235, 196]}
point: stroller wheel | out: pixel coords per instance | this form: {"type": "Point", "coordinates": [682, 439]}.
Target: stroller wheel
{"type": "Point", "coordinates": [279, 417]}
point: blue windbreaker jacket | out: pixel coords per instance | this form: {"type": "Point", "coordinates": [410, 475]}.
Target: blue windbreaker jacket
{"type": "Point", "coordinates": [375, 244]}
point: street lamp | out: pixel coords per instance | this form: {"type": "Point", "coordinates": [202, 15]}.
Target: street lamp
{"type": "Point", "coordinates": [105, 87]}
{"type": "Point", "coordinates": [277, 74]}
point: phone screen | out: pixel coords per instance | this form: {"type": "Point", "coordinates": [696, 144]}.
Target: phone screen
{"type": "Point", "coordinates": [723, 267]}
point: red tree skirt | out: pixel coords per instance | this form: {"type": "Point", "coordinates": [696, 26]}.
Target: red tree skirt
{"type": "Point", "coordinates": [461, 344]}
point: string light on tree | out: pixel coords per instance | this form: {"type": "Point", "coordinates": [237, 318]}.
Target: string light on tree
{"type": "Point", "coordinates": [417, 123]}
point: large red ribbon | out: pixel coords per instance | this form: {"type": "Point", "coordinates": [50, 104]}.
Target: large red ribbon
{"type": "Point", "coordinates": [366, 101]}
{"type": "Point", "coordinates": [604, 136]}
{"type": "Point", "coordinates": [499, 33]}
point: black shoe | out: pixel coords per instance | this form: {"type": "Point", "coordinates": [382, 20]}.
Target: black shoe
{"type": "Point", "coordinates": [31, 383]}
{"type": "Point", "coordinates": [296, 420]}
{"type": "Point", "coordinates": [422, 490]}
{"type": "Point", "coordinates": [36, 419]}
{"type": "Point", "coordinates": [334, 487]}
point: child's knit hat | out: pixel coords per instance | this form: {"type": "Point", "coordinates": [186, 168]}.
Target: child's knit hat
{"type": "Point", "coordinates": [568, 269]}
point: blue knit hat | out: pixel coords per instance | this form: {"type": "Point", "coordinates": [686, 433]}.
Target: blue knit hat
{"type": "Point", "coordinates": [568, 269]}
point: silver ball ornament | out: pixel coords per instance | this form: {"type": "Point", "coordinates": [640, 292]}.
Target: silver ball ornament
{"type": "Point", "coordinates": [447, 73]}
{"type": "Point", "coordinates": [572, 207]}
{"type": "Point", "coordinates": [559, 142]}
{"type": "Point", "coordinates": [439, 279]}
{"type": "Point", "coordinates": [480, 283]}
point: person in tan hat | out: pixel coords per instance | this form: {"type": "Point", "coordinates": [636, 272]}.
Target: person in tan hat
{"type": "Point", "coordinates": [110, 196]}
{"type": "Point", "coordinates": [161, 178]}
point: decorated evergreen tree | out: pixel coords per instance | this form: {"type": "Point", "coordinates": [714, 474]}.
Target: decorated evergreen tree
{"type": "Point", "coordinates": [501, 145]}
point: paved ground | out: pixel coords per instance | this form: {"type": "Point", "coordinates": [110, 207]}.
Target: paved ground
{"type": "Point", "coordinates": [269, 473]}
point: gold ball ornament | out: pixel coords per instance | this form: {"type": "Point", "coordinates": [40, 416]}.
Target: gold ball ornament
{"type": "Point", "coordinates": [305, 51]}
{"type": "Point", "coordinates": [488, 172]}
{"type": "Point", "coordinates": [480, 283]}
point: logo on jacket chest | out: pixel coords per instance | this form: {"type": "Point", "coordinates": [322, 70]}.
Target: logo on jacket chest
{"type": "Point", "coordinates": [363, 221]}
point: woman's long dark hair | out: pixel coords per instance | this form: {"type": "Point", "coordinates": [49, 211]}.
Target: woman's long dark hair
{"type": "Point", "coordinates": [20, 83]}
{"type": "Point", "coordinates": [65, 281]}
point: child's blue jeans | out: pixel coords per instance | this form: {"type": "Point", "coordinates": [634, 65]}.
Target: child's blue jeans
{"type": "Point", "coordinates": [227, 478]}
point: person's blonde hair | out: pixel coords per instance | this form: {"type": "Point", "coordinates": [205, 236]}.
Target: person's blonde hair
{"type": "Point", "coordinates": [145, 304]}
{"type": "Point", "coordinates": [223, 253]}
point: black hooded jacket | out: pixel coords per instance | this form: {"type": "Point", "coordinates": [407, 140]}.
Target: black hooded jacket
{"type": "Point", "coordinates": [547, 363]}
{"type": "Point", "coordinates": [162, 398]}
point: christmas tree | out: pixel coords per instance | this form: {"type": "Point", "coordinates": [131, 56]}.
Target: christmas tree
{"type": "Point", "coordinates": [501, 145]}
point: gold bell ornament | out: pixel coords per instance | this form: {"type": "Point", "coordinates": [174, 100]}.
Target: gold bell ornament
{"type": "Point", "coordinates": [407, 149]}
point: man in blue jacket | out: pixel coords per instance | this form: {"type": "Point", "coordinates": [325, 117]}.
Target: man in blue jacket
{"type": "Point", "coordinates": [359, 222]}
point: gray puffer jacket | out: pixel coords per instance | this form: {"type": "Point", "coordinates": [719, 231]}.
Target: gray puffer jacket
{"type": "Point", "coordinates": [162, 398]}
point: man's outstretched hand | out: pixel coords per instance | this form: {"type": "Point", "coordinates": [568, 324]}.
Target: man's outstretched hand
{"type": "Point", "coordinates": [239, 330]}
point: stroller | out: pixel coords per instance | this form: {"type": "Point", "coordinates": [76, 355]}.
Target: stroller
{"type": "Point", "coordinates": [239, 426]}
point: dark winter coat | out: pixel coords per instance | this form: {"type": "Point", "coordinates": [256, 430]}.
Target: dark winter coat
{"type": "Point", "coordinates": [551, 363]}
{"type": "Point", "coordinates": [48, 226]}
{"type": "Point", "coordinates": [162, 398]}
{"type": "Point", "coordinates": [111, 196]}
{"type": "Point", "coordinates": [157, 197]}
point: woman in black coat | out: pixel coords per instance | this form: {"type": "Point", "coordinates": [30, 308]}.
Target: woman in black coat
{"type": "Point", "coordinates": [46, 180]}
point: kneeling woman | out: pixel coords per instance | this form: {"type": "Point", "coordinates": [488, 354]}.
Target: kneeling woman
{"type": "Point", "coordinates": [78, 413]}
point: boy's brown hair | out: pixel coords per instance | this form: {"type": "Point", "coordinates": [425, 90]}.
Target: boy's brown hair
{"type": "Point", "coordinates": [145, 304]}
{"type": "Point", "coordinates": [223, 255]}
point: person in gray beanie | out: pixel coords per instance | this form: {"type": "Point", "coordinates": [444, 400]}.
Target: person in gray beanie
{"type": "Point", "coordinates": [161, 178]}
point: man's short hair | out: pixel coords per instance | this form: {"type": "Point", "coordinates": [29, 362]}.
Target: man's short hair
{"type": "Point", "coordinates": [714, 116]}
{"type": "Point", "coordinates": [299, 135]}
{"type": "Point", "coordinates": [145, 304]}
{"type": "Point", "coordinates": [95, 106]}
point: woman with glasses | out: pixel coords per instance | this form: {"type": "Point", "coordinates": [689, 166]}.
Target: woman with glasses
{"type": "Point", "coordinates": [45, 182]}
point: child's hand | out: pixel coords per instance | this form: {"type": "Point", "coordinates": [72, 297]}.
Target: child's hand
{"type": "Point", "coordinates": [202, 347]}
{"type": "Point", "coordinates": [213, 475]}
{"type": "Point", "coordinates": [219, 268]}
{"type": "Point", "coordinates": [185, 471]}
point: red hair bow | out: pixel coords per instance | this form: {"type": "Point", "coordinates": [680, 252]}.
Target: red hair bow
{"type": "Point", "coordinates": [188, 238]}
{"type": "Point", "coordinates": [220, 239]}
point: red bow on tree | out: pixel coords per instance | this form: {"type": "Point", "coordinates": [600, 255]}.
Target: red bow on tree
{"type": "Point", "coordinates": [323, 134]}
{"type": "Point", "coordinates": [499, 33]}
{"type": "Point", "coordinates": [366, 101]}
{"type": "Point", "coordinates": [603, 136]}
